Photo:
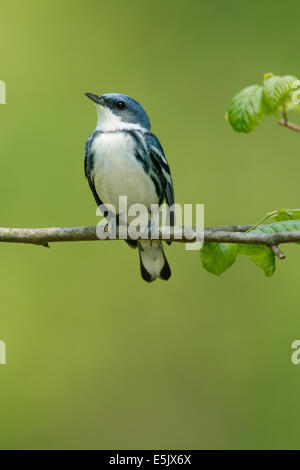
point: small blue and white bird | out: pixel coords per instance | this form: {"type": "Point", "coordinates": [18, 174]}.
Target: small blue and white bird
{"type": "Point", "coordinates": [123, 158]}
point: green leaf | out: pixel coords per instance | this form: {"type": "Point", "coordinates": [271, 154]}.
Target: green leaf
{"type": "Point", "coordinates": [247, 109]}
{"type": "Point", "coordinates": [283, 226]}
{"type": "Point", "coordinates": [276, 90]}
{"type": "Point", "coordinates": [278, 215]}
{"type": "Point", "coordinates": [261, 255]}
{"type": "Point", "coordinates": [286, 214]}
{"type": "Point", "coordinates": [290, 79]}
{"type": "Point", "coordinates": [217, 257]}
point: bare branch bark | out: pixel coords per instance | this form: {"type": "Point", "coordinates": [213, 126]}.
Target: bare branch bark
{"type": "Point", "coordinates": [224, 234]}
{"type": "Point", "coordinates": [290, 125]}
{"type": "Point", "coordinates": [277, 252]}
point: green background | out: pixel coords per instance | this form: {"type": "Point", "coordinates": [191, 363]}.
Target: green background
{"type": "Point", "coordinates": [97, 358]}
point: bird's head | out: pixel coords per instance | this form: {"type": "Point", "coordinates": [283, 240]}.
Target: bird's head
{"type": "Point", "coordinates": [117, 111]}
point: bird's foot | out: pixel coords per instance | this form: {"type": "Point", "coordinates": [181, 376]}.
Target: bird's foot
{"type": "Point", "coordinates": [151, 232]}
{"type": "Point", "coordinates": [110, 229]}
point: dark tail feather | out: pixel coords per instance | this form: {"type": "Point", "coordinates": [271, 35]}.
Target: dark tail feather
{"type": "Point", "coordinates": [153, 262]}
{"type": "Point", "coordinates": [165, 273]}
{"type": "Point", "coordinates": [131, 243]}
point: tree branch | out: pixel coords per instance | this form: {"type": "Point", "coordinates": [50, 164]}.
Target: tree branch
{"type": "Point", "coordinates": [224, 234]}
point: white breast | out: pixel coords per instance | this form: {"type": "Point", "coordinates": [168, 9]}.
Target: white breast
{"type": "Point", "coordinates": [117, 172]}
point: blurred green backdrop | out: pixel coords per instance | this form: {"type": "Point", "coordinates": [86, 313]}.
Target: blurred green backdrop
{"type": "Point", "coordinates": [96, 358]}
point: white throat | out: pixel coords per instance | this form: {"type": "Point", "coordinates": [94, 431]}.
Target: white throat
{"type": "Point", "coordinates": [108, 121]}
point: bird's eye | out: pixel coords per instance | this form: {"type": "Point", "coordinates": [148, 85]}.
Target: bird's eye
{"type": "Point", "coordinates": [121, 104]}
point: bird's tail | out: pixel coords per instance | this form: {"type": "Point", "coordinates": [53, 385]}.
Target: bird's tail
{"type": "Point", "coordinates": [153, 261]}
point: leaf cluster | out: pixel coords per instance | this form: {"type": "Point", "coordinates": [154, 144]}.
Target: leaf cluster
{"type": "Point", "coordinates": [218, 257]}
{"type": "Point", "coordinates": [253, 104]}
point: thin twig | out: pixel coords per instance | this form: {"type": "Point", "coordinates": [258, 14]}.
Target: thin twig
{"type": "Point", "coordinates": [284, 113]}
{"type": "Point", "coordinates": [289, 124]}
{"type": "Point", "coordinates": [277, 252]}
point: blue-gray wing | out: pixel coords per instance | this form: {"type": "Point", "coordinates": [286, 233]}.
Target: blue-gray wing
{"type": "Point", "coordinates": [159, 161]}
{"type": "Point", "coordinates": [89, 159]}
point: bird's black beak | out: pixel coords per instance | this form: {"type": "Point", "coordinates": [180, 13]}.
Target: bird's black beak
{"type": "Point", "coordinates": [97, 99]}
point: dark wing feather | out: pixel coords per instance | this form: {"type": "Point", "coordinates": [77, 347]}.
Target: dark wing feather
{"type": "Point", "coordinates": [89, 165]}
{"type": "Point", "coordinates": [162, 168]}
{"type": "Point", "coordinates": [89, 161]}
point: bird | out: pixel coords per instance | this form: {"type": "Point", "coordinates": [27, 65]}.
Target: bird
{"type": "Point", "coordinates": [124, 158]}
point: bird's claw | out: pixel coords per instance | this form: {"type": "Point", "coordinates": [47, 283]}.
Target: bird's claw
{"type": "Point", "coordinates": [151, 230]}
